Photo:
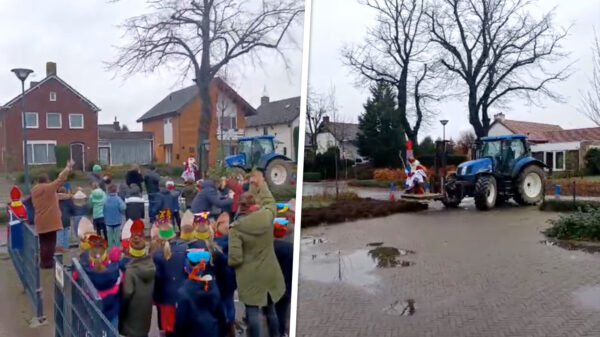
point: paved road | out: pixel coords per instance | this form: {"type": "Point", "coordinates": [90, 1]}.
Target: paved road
{"type": "Point", "coordinates": [474, 274]}
{"type": "Point", "coordinates": [329, 187]}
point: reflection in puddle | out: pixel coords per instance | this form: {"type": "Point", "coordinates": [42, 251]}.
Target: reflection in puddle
{"type": "Point", "coordinates": [388, 257]}
{"type": "Point", "coordinates": [405, 308]}
{"type": "Point", "coordinates": [355, 268]}
{"type": "Point", "coordinates": [374, 244]}
{"type": "Point", "coordinates": [311, 240]}
{"type": "Point", "coordinates": [588, 297]}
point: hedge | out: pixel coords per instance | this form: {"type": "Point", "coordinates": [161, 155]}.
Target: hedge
{"type": "Point", "coordinates": [312, 177]}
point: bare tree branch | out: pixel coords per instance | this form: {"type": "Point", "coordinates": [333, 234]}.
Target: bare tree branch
{"type": "Point", "coordinates": [590, 105]}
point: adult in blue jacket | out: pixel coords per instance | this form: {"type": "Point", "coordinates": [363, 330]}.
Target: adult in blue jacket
{"type": "Point", "coordinates": [209, 198]}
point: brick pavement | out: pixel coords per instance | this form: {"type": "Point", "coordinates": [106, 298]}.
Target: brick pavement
{"type": "Point", "coordinates": [476, 274]}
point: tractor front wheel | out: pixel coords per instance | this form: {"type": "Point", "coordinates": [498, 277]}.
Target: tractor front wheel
{"type": "Point", "coordinates": [451, 198]}
{"type": "Point", "coordinates": [486, 192]}
{"type": "Point", "coordinates": [277, 172]}
{"type": "Point", "coordinates": [530, 185]}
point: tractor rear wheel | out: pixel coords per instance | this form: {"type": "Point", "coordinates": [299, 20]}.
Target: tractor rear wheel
{"type": "Point", "coordinates": [451, 199]}
{"type": "Point", "coordinates": [530, 185]}
{"type": "Point", "coordinates": [277, 172]}
{"type": "Point", "coordinates": [486, 192]}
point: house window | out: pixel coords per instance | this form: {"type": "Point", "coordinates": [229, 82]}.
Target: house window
{"type": "Point", "coordinates": [538, 155]}
{"type": "Point", "coordinates": [559, 161]}
{"type": "Point", "coordinates": [228, 123]}
{"type": "Point", "coordinates": [41, 152]}
{"type": "Point", "coordinates": [265, 131]}
{"type": "Point", "coordinates": [31, 120]}
{"type": "Point", "coordinates": [104, 155]}
{"type": "Point", "coordinates": [555, 160]}
{"type": "Point", "coordinates": [76, 121]}
{"type": "Point", "coordinates": [168, 131]}
{"type": "Point", "coordinates": [52, 96]}
{"type": "Point", "coordinates": [285, 151]}
{"type": "Point", "coordinates": [168, 154]}
{"type": "Point", "coordinates": [53, 120]}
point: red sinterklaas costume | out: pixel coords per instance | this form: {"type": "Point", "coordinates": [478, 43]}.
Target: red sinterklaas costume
{"type": "Point", "coordinates": [16, 207]}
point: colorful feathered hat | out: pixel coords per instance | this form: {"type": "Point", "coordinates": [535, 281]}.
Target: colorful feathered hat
{"type": "Point", "coordinates": [280, 227]}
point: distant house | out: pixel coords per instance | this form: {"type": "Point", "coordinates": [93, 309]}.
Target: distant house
{"type": "Point", "coordinates": [558, 148]}
{"type": "Point", "coordinates": [55, 114]}
{"type": "Point", "coordinates": [341, 135]}
{"type": "Point", "coordinates": [119, 147]}
{"type": "Point", "coordinates": [175, 120]}
{"type": "Point", "coordinates": [277, 118]}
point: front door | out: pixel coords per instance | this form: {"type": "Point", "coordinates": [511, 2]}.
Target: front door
{"type": "Point", "coordinates": [77, 155]}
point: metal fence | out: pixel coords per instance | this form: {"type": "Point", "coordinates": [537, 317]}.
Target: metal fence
{"type": "Point", "coordinates": [77, 305]}
{"type": "Point", "coordinates": [24, 251]}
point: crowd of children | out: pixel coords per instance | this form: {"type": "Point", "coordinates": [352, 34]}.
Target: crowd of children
{"type": "Point", "coordinates": [192, 265]}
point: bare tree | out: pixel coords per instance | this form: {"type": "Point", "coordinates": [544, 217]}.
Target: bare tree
{"type": "Point", "coordinates": [317, 107]}
{"type": "Point", "coordinates": [591, 98]}
{"type": "Point", "coordinates": [394, 52]}
{"type": "Point", "coordinates": [203, 36]}
{"type": "Point", "coordinates": [465, 141]}
{"type": "Point", "coordinates": [498, 49]}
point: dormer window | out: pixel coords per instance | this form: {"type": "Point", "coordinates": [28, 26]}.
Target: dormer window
{"type": "Point", "coordinates": [52, 96]}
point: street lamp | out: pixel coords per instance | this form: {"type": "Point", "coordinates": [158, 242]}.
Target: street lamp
{"type": "Point", "coordinates": [22, 75]}
{"type": "Point", "coordinates": [444, 122]}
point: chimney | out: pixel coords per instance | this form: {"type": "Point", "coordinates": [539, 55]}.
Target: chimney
{"type": "Point", "coordinates": [499, 117]}
{"type": "Point", "coordinates": [265, 97]}
{"type": "Point", "coordinates": [50, 68]}
{"type": "Point", "coordinates": [325, 119]}
{"type": "Point", "coordinates": [116, 124]}
{"type": "Point", "coordinates": [33, 84]}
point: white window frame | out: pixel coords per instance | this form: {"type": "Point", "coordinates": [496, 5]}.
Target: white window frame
{"type": "Point", "coordinates": [37, 120]}
{"type": "Point", "coordinates": [52, 96]}
{"type": "Point", "coordinates": [82, 122]}
{"type": "Point", "coordinates": [555, 168]}
{"type": "Point", "coordinates": [37, 142]}
{"type": "Point", "coordinates": [59, 120]}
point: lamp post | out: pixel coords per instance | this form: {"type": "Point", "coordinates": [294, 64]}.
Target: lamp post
{"type": "Point", "coordinates": [444, 122]}
{"type": "Point", "coordinates": [22, 75]}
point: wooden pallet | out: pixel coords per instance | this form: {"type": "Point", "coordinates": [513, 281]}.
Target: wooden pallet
{"type": "Point", "coordinates": [421, 197]}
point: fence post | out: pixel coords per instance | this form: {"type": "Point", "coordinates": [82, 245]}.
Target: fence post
{"type": "Point", "coordinates": [574, 189]}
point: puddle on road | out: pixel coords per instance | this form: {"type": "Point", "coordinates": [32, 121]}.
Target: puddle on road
{"type": "Point", "coordinates": [588, 297]}
{"type": "Point", "coordinates": [389, 257]}
{"type": "Point", "coordinates": [374, 244]}
{"type": "Point", "coordinates": [592, 248]}
{"type": "Point", "coordinates": [355, 268]}
{"type": "Point", "coordinates": [401, 308]}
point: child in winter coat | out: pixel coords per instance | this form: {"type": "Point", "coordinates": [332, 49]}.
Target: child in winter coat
{"type": "Point", "coordinates": [138, 286]}
{"type": "Point", "coordinates": [113, 216]}
{"type": "Point", "coordinates": [80, 209]}
{"type": "Point", "coordinates": [96, 202]}
{"type": "Point", "coordinates": [169, 262]}
{"type": "Point", "coordinates": [65, 203]}
{"type": "Point", "coordinates": [284, 250]}
{"type": "Point", "coordinates": [226, 283]}
{"type": "Point", "coordinates": [199, 313]}
{"type": "Point", "coordinates": [106, 278]}
{"type": "Point", "coordinates": [134, 204]}
{"type": "Point", "coordinates": [173, 203]}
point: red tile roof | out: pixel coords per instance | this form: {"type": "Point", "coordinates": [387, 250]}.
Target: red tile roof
{"type": "Point", "coordinates": [535, 131]}
{"type": "Point", "coordinates": [573, 135]}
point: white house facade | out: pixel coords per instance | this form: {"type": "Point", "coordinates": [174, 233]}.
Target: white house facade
{"type": "Point", "coordinates": [277, 118]}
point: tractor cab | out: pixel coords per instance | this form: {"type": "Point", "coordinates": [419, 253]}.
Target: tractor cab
{"type": "Point", "coordinates": [259, 152]}
{"type": "Point", "coordinates": [251, 151]}
{"type": "Point", "coordinates": [503, 151]}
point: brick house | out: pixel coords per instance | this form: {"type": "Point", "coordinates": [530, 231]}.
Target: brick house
{"type": "Point", "coordinates": [175, 120]}
{"type": "Point", "coordinates": [55, 114]}
{"type": "Point", "coordinates": [559, 149]}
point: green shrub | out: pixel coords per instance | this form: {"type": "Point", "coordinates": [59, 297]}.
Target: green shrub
{"type": "Point", "coordinates": [592, 161]}
{"type": "Point", "coordinates": [584, 224]}
{"type": "Point", "coordinates": [312, 177]}
{"type": "Point", "coordinates": [61, 153]}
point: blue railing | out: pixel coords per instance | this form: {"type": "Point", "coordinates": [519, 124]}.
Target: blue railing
{"type": "Point", "coordinates": [77, 305]}
{"type": "Point", "coordinates": [24, 251]}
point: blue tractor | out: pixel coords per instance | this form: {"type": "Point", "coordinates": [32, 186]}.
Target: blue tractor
{"type": "Point", "coordinates": [259, 152]}
{"type": "Point", "coordinates": [503, 168]}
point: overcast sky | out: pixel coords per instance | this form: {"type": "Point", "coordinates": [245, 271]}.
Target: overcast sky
{"type": "Point", "coordinates": [79, 36]}
{"type": "Point", "coordinates": [332, 28]}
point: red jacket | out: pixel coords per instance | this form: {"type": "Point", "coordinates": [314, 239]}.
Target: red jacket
{"type": "Point", "coordinates": [236, 187]}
